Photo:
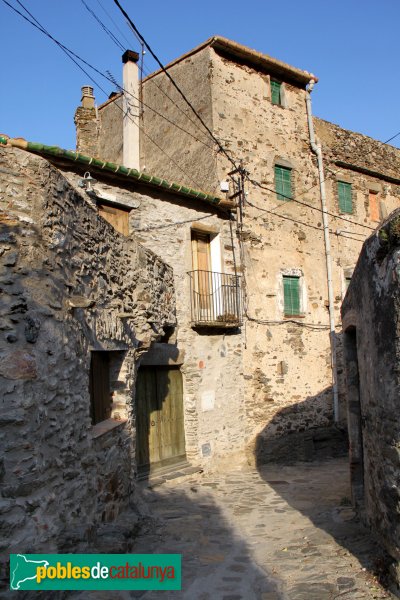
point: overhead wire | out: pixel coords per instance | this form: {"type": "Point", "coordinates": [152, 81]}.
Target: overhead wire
{"type": "Point", "coordinates": [71, 55]}
{"type": "Point", "coordinates": [104, 27]}
{"type": "Point", "coordinates": [221, 148]}
{"type": "Point", "coordinates": [286, 218]}
{"type": "Point", "coordinates": [114, 23]}
{"type": "Point", "coordinates": [216, 140]}
{"type": "Point", "coordinates": [335, 216]}
{"type": "Point", "coordinates": [140, 37]}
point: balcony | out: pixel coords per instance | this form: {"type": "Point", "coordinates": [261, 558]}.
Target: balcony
{"type": "Point", "coordinates": [216, 299]}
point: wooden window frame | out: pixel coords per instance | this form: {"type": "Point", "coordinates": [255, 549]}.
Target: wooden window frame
{"type": "Point", "coordinates": [100, 393]}
{"type": "Point", "coordinates": [345, 197]}
{"type": "Point", "coordinates": [296, 309]}
{"type": "Point", "coordinates": [283, 188]}
{"type": "Point", "coordinates": [276, 92]}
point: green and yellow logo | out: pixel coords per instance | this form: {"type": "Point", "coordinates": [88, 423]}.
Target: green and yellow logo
{"type": "Point", "coordinates": [95, 572]}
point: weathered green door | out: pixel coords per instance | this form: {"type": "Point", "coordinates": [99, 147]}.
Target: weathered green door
{"type": "Point", "coordinates": [159, 427]}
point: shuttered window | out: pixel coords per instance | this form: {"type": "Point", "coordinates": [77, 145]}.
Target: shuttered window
{"type": "Point", "coordinates": [276, 96]}
{"type": "Point", "coordinates": [345, 199]}
{"type": "Point", "coordinates": [283, 182]}
{"type": "Point", "coordinates": [100, 392]}
{"type": "Point", "coordinates": [374, 206]}
{"type": "Point", "coordinates": [291, 293]}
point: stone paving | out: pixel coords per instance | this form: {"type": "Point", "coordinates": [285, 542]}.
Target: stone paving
{"type": "Point", "coordinates": [276, 533]}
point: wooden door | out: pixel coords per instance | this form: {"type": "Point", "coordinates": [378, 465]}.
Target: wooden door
{"type": "Point", "coordinates": [117, 217]}
{"type": "Point", "coordinates": [100, 399]}
{"type": "Point", "coordinates": [160, 425]}
{"type": "Point", "coordinates": [201, 259]}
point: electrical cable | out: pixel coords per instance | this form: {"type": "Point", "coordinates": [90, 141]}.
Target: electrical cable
{"type": "Point", "coordinates": [221, 148]}
{"type": "Point", "coordinates": [284, 217]}
{"type": "Point", "coordinates": [114, 23]}
{"type": "Point", "coordinates": [253, 182]}
{"type": "Point", "coordinates": [153, 82]}
{"type": "Point", "coordinates": [72, 54]}
{"type": "Point", "coordinates": [108, 32]}
{"type": "Point", "coordinates": [263, 187]}
{"type": "Point", "coordinates": [166, 225]}
{"type": "Point", "coordinates": [121, 47]}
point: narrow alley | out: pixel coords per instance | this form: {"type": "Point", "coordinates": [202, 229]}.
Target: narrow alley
{"type": "Point", "coordinates": [277, 533]}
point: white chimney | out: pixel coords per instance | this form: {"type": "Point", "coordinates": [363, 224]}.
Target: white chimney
{"type": "Point", "coordinates": [130, 133]}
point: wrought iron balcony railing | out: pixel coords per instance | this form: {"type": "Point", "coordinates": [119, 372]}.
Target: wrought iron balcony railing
{"type": "Point", "coordinates": [216, 299]}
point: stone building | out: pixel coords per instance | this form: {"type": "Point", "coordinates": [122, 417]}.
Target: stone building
{"type": "Point", "coordinates": [370, 314]}
{"type": "Point", "coordinates": [312, 193]}
{"type": "Point", "coordinates": [80, 305]}
{"type": "Point", "coordinates": [121, 353]}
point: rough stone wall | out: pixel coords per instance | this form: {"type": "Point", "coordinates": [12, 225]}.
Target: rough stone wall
{"type": "Point", "coordinates": [110, 139]}
{"type": "Point", "coordinates": [70, 284]}
{"type": "Point", "coordinates": [371, 319]}
{"type": "Point", "coordinates": [210, 360]}
{"type": "Point", "coordinates": [357, 149]}
{"type": "Point", "coordinates": [286, 365]}
{"type": "Point", "coordinates": [87, 130]}
{"type": "Point", "coordinates": [286, 391]}
{"type": "Point", "coordinates": [368, 165]}
{"type": "Point", "coordinates": [170, 157]}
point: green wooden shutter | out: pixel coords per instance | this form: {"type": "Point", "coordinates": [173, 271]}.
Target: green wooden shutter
{"type": "Point", "coordinates": [291, 293]}
{"type": "Point", "coordinates": [345, 199]}
{"type": "Point", "coordinates": [276, 92]}
{"type": "Point", "coordinates": [283, 183]}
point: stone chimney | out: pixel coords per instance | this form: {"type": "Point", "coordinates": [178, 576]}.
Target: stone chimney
{"type": "Point", "coordinates": [87, 124]}
{"type": "Point", "coordinates": [131, 109]}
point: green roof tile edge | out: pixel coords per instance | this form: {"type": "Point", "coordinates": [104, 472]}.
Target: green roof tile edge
{"type": "Point", "coordinates": [121, 170]}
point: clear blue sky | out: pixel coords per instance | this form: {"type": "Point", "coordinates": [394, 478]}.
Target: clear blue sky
{"type": "Point", "coordinates": [352, 45]}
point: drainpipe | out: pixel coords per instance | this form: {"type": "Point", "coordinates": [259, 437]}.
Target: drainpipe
{"type": "Point", "coordinates": [316, 148]}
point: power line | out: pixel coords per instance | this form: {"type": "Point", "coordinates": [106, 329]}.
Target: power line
{"type": "Point", "coordinates": [68, 52]}
{"type": "Point", "coordinates": [115, 24]}
{"type": "Point", "coordinates": [108, 32]}
{"type": "Point", "coordinates": [284, 217]}
{"type": "Point", "coordinates": [257, 184]}
{"type": "Point", "coordinates": [108, 77]}
{"type": "Point", "coordinates": [72, 54]}
{"type": "Point", "coordinates": [153, 82]}
{"type": "Point", "coordinates": [221, 148]}
{"type": "Point", "coordinates": [232, 161]}
{"type": "Point", "coordinates": [312, 326]}
{"type": "Point", "coordinates": [166, 225]}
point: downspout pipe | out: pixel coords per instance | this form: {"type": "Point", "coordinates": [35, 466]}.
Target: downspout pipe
{"type": "Point", "coordinates": [316, 148]}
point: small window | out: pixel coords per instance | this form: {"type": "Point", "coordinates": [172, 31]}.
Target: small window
{"type": "Point", "coordinates": [100, 390]}
{"type": "Point", "coordinates": [347, 280]}
{"type": "Point", "coordinates": [276, 92]}
{"type": "Point", "coordinates": [283, 182]}
{"type": "Point", "coordinates": [374, 206]}
{"type": "Point", "coordinates": [345, 199]}
{"type": "Point", "coordinates": [116, 216]}
{"type": "Point", "coordinates": [291, 294]}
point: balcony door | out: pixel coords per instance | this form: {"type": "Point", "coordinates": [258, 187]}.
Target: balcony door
{"type": "Point", "coordinates": [201, 260]}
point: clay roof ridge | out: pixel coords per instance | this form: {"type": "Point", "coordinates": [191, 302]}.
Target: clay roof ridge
{"type": "Point", "coordinates": [253, 57]}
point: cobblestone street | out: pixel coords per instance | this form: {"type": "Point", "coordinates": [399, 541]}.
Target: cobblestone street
{"type": "Point", "coordinates": [280, 532]}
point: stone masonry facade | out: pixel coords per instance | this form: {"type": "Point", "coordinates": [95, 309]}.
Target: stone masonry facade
{"type": "Point", "coordinates": [286, 362]}
{"type": "Point", "coordinates": [210, 359]}
{"type": "Point", "coordinates": [70, 285]}
{"type": "Point", "coordinates": [372, 348]}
